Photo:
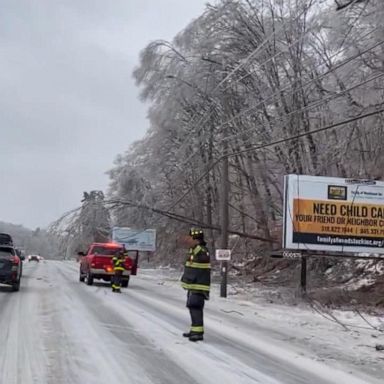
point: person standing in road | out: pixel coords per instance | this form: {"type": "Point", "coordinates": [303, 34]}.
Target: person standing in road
{"type": "Point", "coordinates": [196, 280]}
{"type": "Point", "coordinates": [118, 268]}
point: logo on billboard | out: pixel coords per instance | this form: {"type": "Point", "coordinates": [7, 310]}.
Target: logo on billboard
{"type": "Point", "coordinates": [336, 192]}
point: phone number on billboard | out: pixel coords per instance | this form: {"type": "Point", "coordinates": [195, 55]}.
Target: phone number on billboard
{"type": "Point", "coordinates": [347, 230]}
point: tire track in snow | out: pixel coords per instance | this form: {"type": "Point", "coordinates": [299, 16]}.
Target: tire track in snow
{"type": "Point", "coordinates": [22, 359]}
{"type": "Point", "coordinates": [133, 350]}
{"type": "Point", "coordinates": [251, 345]}
{"type": "Point", "coordinates": [201, 366]}
{"type": "Point", "coordinates": [227, 345]}
{"type": "Point", "coordinates": [230, 362]}
{"type": "Point", "coordinates": [229, 341]}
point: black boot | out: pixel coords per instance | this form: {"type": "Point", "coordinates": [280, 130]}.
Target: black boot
{"type": "Point", "coordinates": [196, 337]}
{"type": "Point", "coordinates": [187, 334]}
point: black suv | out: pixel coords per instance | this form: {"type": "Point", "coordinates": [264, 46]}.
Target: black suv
{"type": "Point", "coordinates": [11, 266]}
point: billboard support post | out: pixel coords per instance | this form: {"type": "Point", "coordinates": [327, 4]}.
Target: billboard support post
{"type": "Point", "coordinates": [303, 282]}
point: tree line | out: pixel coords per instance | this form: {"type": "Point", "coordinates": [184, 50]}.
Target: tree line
{"type": "Point", "coordinates": [277, 87]}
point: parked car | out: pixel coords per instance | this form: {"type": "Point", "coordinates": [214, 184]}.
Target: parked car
{"type": "Point", "coordinates": [97, 263]}
{"type": "Point", "coordinates": [11, 267]}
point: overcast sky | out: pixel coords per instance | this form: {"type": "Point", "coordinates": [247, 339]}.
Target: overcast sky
{"type": "Point", "coordinates": [68, 102]}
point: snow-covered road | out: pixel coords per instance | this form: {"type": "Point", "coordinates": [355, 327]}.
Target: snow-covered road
{"type": "Point", "coordinates": [57, 330]}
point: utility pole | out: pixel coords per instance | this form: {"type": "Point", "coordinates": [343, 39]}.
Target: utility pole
{"type": "Point", "coordinates": [224, 225]}
{"type": "Point", "coordinates": [224, 207]}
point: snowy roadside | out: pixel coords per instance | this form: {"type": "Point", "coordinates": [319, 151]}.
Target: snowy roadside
{"type": "Point", "coordinates": [334, 337]}
{"type": "Point", "coordinates": [296, 333]}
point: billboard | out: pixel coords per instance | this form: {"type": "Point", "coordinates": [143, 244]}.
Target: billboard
{"type": "Point", "coordinates": [335, 214]}
{"type": "Point", "coordinates": [135, 239]}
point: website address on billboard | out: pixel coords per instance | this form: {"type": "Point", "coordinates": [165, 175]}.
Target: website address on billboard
{"type": "Point", "coordinates": [341, 241]}
{"type": "Point", "coordinates": [315, 238]}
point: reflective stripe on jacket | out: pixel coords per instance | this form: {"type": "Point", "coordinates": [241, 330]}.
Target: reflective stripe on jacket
{"type": "Point", "coordinates": [118, 264]}
{"type": "Point", "coordinates": [197, 270]}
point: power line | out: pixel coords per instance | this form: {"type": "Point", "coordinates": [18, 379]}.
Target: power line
{"type": "Point", "coordinates": [317, 103]}
{"type": "Point", "coordinates": [287, 88]}
{"type": "Point", "coordinates": [331, 57]}
{"type": "Point", "coordinates": [254, 52]}
{"type": "Point", "coordinates": [251, 55]}
{"type": "Point", "coordinates": [185, 219]}
{"type": "Point", "coordinates": [182, 218]}
{"type": "Point", "coordinates": [307, 133]}
{"type": "Point", "coordinates": [274, 143]}
{"type": "Point", "coordinates": [214, 163]}
{"type": "Point", "coordinates": [336, 158]}
{"type": "Point", "coordinates": [240, 114]}
{"type": "Point", "coordinates": [279, 141]}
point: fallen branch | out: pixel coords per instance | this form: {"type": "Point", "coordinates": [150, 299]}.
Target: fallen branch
{"type": "Point", "coordinates": [371, 325]}
{"type": "Point", "coordinates": [188, 220]}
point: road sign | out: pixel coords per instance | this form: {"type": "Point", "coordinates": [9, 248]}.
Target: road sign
{"type": "Point", "coordinates": [223, 254]}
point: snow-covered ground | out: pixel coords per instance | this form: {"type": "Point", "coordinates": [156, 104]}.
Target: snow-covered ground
{"type": "Point", "coordinates": [57, 330]}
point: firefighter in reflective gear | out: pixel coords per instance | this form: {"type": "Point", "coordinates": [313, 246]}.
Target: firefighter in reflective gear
{"type": "Point", "coordinates": [118, 269]}
{"type": "Point", "coordinates": [196, 280]}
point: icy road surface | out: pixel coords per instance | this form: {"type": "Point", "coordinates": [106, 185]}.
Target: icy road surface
{"type": "Point", "coordinates": [57, 330]}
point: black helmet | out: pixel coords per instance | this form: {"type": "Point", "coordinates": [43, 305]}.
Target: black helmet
{"type": "Point", "coordinates": [196, 234]}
